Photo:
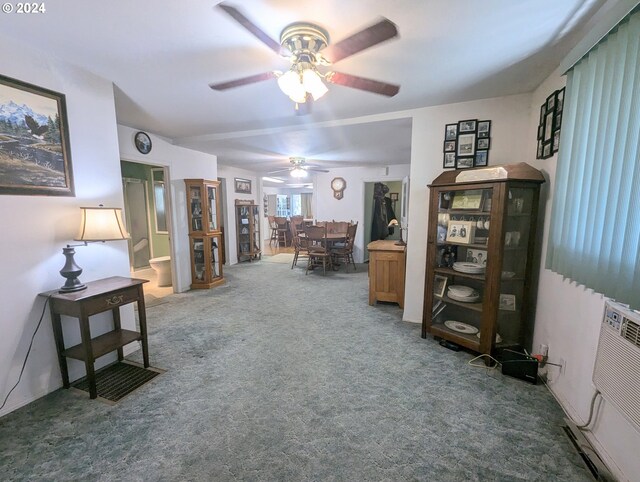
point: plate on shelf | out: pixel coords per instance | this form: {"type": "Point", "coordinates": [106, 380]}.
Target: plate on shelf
{"type": "Point", "coordinates": [469, 268]}
{"type": "Point", "coordinates": [508, 274]}
{"type": "Point", "coordinates": [498, 337]}
{"type": "Point", "coordinates": [461, 327]}
{"type": "Point", "coordinates": [463, 299]}
{"type": "Point", "coordinates": [461, 290]}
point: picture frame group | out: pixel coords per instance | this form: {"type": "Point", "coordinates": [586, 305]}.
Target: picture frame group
{"type": "Point", "coordinates": [550, 124]}
{"type": "Point", "coordinates": [242, 186]}
{"type": "Point", "coordinates": [466, 144]}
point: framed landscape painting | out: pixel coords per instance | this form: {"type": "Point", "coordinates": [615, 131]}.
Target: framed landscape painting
{"type": "Point", "coordinates": [34, 141]}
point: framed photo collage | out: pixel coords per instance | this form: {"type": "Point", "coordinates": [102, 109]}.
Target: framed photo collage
{"type": "Point", "coordinates": [549, 126]}
{"type": "Point", "coordinates": [466, 144]}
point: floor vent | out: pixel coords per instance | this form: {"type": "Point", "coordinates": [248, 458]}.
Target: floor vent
{"type": "Point", "coordinates": [589, 456]}
{"type": "Point", "coordinates": [116, 381]}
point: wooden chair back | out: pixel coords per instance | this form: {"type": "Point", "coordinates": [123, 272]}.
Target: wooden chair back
{"type": "Point", "coordinates": [337, 227]}
{"type": "Point", "coordinates": [297, 222]}
{"type": "Point", "coordinates": [351, 235]}
{"type": "Point", "coordinates": [280, 222]}
{"type": "Point", "coordinates": [316, 237]}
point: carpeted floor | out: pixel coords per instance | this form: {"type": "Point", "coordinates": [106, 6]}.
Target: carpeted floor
{"type": "Point", "coordinates": [282, 376]}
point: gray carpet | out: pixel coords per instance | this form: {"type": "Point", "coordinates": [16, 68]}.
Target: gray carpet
{"type": "Point", "coordinates": [282, 376]}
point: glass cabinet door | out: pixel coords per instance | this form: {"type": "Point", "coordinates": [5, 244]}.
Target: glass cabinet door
{"type": "Point", "coordinates": [215, 262]}
{"type": "Point", "coordinates": [199, 263]}
{"type": "Point", "coordinates": [212, 208]}
{"type": "Point", "coordinates": [255, 219]}
{"type": "Point", "coordinates": [460, 264]}
{"type": "Point", "coordinates": [195, 209]}
{"type": "Point", "coordinates": [244, 234]}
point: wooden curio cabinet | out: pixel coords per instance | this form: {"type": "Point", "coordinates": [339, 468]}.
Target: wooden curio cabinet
{"type": "Point", "coordinates": [480, 252]}
{"type": "Point", "coordinates": [248, 230]}
{"type": "Point", "coordinates": [205, 237]}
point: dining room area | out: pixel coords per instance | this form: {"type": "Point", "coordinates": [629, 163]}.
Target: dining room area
{"type": "Point", "coordinates": [310, 244]}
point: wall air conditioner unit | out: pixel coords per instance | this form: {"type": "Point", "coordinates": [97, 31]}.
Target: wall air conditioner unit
{"type": "Point", "coordinates": [616, 373]}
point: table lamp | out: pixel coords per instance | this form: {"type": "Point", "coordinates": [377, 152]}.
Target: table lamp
{"type": "Point", "coordinates": [98, 224]}
{"type": "Point", "coordinates": [394, 223]}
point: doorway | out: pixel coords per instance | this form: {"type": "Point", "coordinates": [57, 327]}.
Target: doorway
{"type": "Point", "coordinates": [393, 197]}
{"type": "Point", "coordinates": [148, 220]}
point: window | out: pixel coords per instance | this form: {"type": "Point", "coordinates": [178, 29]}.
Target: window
{"type": "Point", "coordinates": [594, 237]}
{"type": "Point", "coordinates": [296, 205]}
{"type": "Point", "coordinates": [282, 206]}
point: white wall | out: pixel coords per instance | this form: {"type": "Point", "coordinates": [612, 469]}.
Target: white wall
{"type": "Point", "coordinates": [351, 206]}
{"type": "Point", "coordinates": [36, 228]}
{"type": "Point", "coordinates": [509, 128]}
{"type": "Point", "coordinates": [568, 321]}
{"type": "Point", "coordinates": [183, 164]}
{"type": "Point", "coordinates": [229, 174]}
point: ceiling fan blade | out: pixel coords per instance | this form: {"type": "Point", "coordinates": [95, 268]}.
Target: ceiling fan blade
{"type": "Point", "coordinates": [279, 170]}
{"type": "Point", "coordinates": [251, 27]}
{"type": "Point", "coordinates": [315, 170]}
{"type": "Point", "coordinates": [361, 83]}
{"type": "Point", "coordinates": [243, 81]}
{"type": "Point", "coordinates": [377, 33]}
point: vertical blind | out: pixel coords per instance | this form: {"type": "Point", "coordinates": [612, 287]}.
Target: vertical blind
{"type": "Point", "coordinates": [594, 237]}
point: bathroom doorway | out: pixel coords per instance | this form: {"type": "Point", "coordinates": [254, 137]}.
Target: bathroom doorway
{"type": "Point", "coordinates": [147, 216]}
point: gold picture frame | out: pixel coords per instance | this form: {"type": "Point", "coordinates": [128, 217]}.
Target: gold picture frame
{"type": "Point", "coordinates": [468, 200]}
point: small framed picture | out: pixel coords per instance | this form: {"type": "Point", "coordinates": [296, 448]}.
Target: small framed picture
{"type": "Point", "coordinates": [449, 160]}
{"type": "Point", "coordinates": [467, 126]}
{"type": "Point", "coordinates": [450, 132]}
{"type": "Point", "coordinates": [560, 100]}
{"type": "Point", "coordinates": [548, 127]}
{"type": "Point", "coordinates": [478, 256]}
{"type": "Point", "coordinates": [507, 302]}
{"type": "Point", "coordinates": [543, 112]}
{"type": "Point", "coordinates": [484, 128]}
{"type": "Point", "coordinates": [467, 144]}
{"type": "Point", "coordinates": [539, 151]}
{"type": "Point", "coordinates": [393, 196]}
{"type": "Point", "coordinates": [460, 232]}
{"type": "Point", "coordinates": [546, 150]}
{"type": "Point", "coordinates": [449, 146]}
{"type": "Point", "coordinates": [242, 185]}
{"type": "Point", "coordinates": [468, 200]}
{"type": "Point", "coordinates": [483, 142]}
{"type": "Point", "coordinates": [439, 285]}
{"type": "Point", "coordinates": [558, 121]}
{"type": "Point", "coordinates": [541, 130]}
{"type": "Point", "coordinates": [481, 159]}
{"type": "Point", "coordinates": [464, 162]}
{"type": "Point", "coordinates": [551, 102]}
{"type": "Point", "coordinates": [556, 141]}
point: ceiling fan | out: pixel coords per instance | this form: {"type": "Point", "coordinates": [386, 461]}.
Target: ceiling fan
{"type": "Point", "coordinates": [307, 47]}
{"type": "Point", "coordinates": [299, 168]}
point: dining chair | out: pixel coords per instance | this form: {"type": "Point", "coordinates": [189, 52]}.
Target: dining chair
{"type": "Point", "coordinates": [282, 231]}
{"type": "Point", "coordinates": [346, 253]}
{"type": "Point", "coordinates": [297, 222]}
{"type": "Point", "coordinates": [318, 248]}
{"type": "Point", "coordinates": [273, 227]}
{"type": "Point", "coordinates": [299, 244]}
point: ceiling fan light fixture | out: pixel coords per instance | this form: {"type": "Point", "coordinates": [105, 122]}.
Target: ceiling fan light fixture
{"type": "Point", "coordinates": [298, 172]}
{"type": "Point", "coordinates": [290, 84]}
{"type": "Point", "coordinates": [313, 83]}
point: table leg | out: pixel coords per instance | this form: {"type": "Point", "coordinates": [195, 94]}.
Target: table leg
{"type": "Point", "coordinates": [89, 360]}
{"type": "Point", "coordinates": [142, 318]}
{"type": "Point", "coordinates": [117, 326]}
{"type": "Point", "coordinates": [59, 339]}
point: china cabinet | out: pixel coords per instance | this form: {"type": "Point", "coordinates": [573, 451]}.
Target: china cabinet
{"type": "Point", "coordinates": [248, 230]}
{"type": "Point", "coordinates": [205, 236]}
{"type": "Point", "coordinates": [480, 256]}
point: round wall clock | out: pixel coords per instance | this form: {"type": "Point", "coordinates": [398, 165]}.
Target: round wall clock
{"type": "Point", "coordinates": [142, 142]}
{"type": "Point", "coordinates": [338, 185]}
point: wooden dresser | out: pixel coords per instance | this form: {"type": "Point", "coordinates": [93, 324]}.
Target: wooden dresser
{"type": "Point", "coordinates": [386, 272]}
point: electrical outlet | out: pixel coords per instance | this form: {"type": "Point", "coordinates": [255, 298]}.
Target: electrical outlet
{"type": "Point", "coordinates": [544, 350]}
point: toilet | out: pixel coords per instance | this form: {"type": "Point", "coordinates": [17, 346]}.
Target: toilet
{"type": "Point", "coordinates": [162, 267]}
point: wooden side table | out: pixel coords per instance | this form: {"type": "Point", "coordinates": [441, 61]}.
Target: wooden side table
{"type": "Point", "coordinates": [386, 272]}
{"type": "Point", "coordinates": [99, 296]}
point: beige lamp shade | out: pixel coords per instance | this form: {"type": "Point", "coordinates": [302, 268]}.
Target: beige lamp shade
{"type": "Point", "coordinates": [101, 224]}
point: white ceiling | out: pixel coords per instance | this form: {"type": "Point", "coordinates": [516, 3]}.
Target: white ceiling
{"type": "Point", "coordinates": [162, 54]}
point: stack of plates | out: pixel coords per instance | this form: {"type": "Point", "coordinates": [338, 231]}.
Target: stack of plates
{"type": "Point", "coordinates": [469, 268]}
{"type": "Point", "coordinates": [498, 337]}
{"type": "Point", "coordinates": [461, 327]}
{"type": "Point", "coordinates": [508, 274]}
{"type": "Point", "coordinates": [463, 293]}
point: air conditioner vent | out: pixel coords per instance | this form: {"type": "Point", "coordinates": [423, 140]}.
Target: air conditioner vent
{"type": "Point", "coordinates": [631, 331]}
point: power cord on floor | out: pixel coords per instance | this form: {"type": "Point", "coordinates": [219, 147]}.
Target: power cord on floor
{"type": "Point", "coordinates": [24, 364]}
{"type": "Point", "coordinates": [585, 426]}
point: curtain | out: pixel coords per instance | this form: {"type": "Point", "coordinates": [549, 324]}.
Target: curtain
{"type": "Point", "coordinates": [271, 204]}
{"type": "Point", "coordinates": [307, 211]}
{"type": "Point", "coordinates": [594, 238]}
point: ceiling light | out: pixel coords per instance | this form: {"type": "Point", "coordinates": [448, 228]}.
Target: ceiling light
{"type": "Point", "coordinates": [303, 78]}
{"type": "Point", "coordinates": [272, 179]}
{"type": "Point", "coordinates": [298, 172]}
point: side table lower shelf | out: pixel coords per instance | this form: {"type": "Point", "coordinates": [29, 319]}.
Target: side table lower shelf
{"type": "Point", "coordinates": [103, 344]}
